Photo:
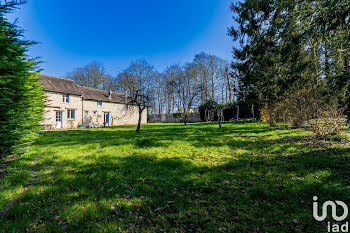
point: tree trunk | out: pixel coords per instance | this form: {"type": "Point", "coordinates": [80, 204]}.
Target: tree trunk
{"type": "Point", "coordinates": [212, 88]}
{"type": "Point", "coordinates": [220, 117]}
{"type": "Point", "coordinates": [233, 88]}
{"type": "Point", "coordinates": [222, 95]}
{"type": "Point", "coordinates": [326, 61]}
{"type": "Point", "coordinates": [206, 90]}
{"type": "Point", "coordinates": [316, 62]}
{"type": "Point", "coordinates": [169, 104]}
{"type": "Point", "coordinates": [139, 123]}
{"type": "Point", "coordinates": [228, 85]}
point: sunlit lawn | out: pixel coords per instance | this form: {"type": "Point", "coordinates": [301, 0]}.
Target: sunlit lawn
{"type": "Point", "coordinates": [175, 178]}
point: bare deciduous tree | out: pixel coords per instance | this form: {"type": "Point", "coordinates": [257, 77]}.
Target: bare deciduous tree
{"type": "Point", "coordinates": [172, 73]}
{"type": "Point", "coordinates": [92, 75]}
{"type": "Point", "coordinates": [177, 89]}
{"type": "Point", "coordinates": [211, 75]}
{"type": "Point", "coordinates": [188, 88]}
{"type": "Point", "coordinates": [138, 81]}
{"type": "Point", "coordinates": [142, 101]}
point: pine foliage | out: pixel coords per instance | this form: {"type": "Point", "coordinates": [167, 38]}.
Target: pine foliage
{"type": "Point", "coordinates": [21, 99]}
{"type": "Point", "coordinates": [290, 45]}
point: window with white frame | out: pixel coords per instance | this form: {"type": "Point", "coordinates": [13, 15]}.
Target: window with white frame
{"type": "Point", "coordinates": [71, 114]}
{"type": "Point", "coordinates": [99, 103]}
{"type": "Point", "coordinates": [65, 98]}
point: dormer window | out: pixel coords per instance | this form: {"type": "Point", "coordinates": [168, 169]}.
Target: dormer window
{"type": "Point", "coordinates": [65, 98]}
{"type": "Point", "coordinates": [99, 103]}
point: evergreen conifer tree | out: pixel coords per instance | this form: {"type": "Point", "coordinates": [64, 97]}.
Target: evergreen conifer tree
{"type": "Point", "coordinates": [21, 99]}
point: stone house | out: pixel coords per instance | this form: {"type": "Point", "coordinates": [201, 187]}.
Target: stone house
{"type": "Point", "coordinates": [69, 105]}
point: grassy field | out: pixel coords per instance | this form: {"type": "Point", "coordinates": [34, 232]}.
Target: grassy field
{"type": "Point", "coordinates": [173, 178]}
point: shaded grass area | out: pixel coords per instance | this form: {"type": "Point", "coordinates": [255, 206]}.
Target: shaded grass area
{"type": "Point", "coordinates": [174, 178]}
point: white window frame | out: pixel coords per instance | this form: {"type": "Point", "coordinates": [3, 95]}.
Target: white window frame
{"type": "Point", "coordinates": [70, 115]}
{"type": "Point", "coordinates": [65, 98]}
{"type": "Point", "coordinates": [99, 103]}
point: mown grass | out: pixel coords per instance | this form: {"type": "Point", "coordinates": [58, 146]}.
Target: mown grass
{"type": "Point", "coordinates": [173, 178]}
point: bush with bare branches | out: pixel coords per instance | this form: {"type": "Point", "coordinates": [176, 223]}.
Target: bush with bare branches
{"type": "Point", "coordinates": [306, 107]}
{"type": "Point", "coordinates": [328, 122]}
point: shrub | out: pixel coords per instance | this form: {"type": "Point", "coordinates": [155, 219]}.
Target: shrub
{"type": "Point", "coordinates": [266, 115]}
{"type": "Point", "coordinates": [177, 115]}
{"type": "Point", "coordinates": [71, 124]}
{"type": "Point", "coordinates": [329, 122]}
{"type": "Point", "coordinates": [306, 107]}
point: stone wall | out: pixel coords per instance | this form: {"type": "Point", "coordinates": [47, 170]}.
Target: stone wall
{"type": "Point", "coordinates": [87, 112]}
{"type": "Point", "coordinates": [173, 118]}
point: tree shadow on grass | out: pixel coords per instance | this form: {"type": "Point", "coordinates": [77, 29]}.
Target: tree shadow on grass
{"type": "Point", "coordinates": [199, 135]}
{"type": "Point", "coordinates": [104, 137]}
{"type": "Point", "coordinates": [144, 192]}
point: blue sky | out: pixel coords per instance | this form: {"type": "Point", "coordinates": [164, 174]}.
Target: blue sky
{"type": "Point", "coordinates": [115, 32]}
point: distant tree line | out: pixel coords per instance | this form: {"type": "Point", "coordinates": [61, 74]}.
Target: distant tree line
{"type": "Point", "coordinates": [93, 75]}
{"type": "Point", "coordinates": [179, 88]}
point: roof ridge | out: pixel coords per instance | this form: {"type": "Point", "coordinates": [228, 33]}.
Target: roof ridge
{"type": "Point", "coordinates": [74, 88]}
{"type": "Point", "coordinates": [68, 79]}
{"type": "Point", "coordinates": [91, 88]}
{"type": "Point", "coordinates": [100, 89]}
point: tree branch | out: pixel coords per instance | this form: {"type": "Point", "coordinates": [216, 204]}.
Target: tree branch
{"type": "Point", "coordinates": [9, 6]}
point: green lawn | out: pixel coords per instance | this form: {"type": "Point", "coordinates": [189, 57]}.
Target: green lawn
{"type": "Point", "coordinates": [173, 178]}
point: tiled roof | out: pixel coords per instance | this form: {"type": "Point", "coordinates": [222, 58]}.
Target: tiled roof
{"type": "Point", "coordinates": [96, 94]}
{"type": "Point", "coordinates": [51, 83]}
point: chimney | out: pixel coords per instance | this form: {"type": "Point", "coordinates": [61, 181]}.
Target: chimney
{"type": "Point", "coordinates": [110, 95]}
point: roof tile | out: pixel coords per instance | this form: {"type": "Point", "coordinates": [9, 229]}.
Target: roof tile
{"type": "Point", "coordinates": [56, 84]}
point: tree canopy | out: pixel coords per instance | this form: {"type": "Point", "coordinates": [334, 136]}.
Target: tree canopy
{"type": "Point", "coordinates": [290, 45]}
